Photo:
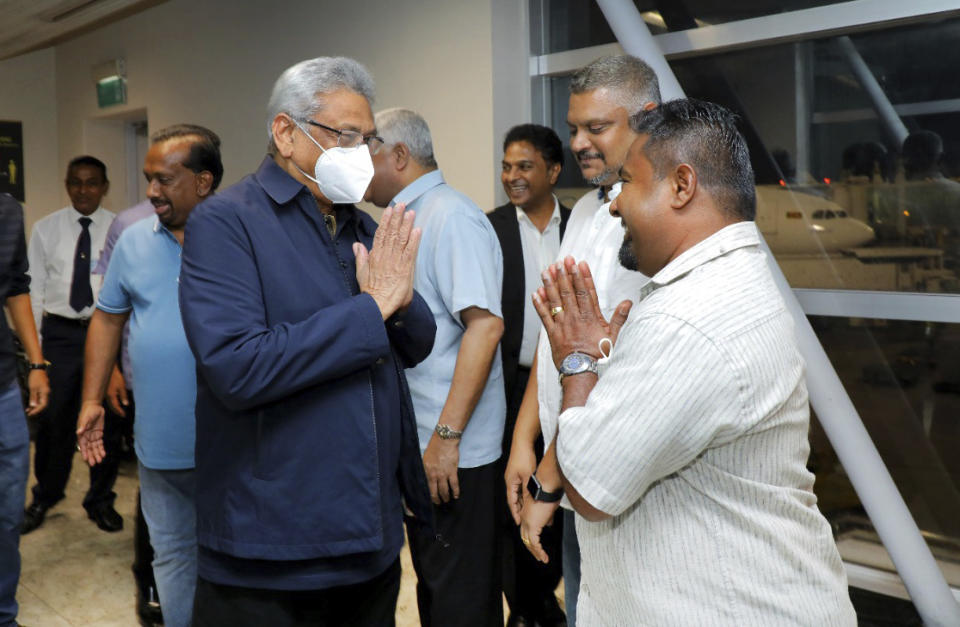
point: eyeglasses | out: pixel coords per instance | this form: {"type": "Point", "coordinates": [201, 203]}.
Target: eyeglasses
{"type": "Point", "coordinates": [349, 139]}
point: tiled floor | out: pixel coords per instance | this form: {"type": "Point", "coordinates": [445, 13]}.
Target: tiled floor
{"type": "Point", "coordinates": [76, 575]}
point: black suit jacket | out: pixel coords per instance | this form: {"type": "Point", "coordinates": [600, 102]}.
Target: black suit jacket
{"type": "Point", "coordinates": [515, 293]}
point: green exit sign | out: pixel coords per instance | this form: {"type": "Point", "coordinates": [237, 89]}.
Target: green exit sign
{"type": "Point", "coordinates": [111, 91]}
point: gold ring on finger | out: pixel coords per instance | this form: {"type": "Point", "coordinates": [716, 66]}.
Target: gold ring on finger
{"type": "Point", "coordinates": [556, 310]}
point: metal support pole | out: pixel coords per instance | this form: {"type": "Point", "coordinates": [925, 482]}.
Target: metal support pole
{"type": "Point", "coordinates": [841, 422]}
{"type": "Point", "coordinates": [635, 39]}
{"type": "Point", "coordinates": [888, 116]}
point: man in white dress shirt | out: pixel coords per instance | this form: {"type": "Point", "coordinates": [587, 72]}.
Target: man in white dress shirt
{"type": "Point", "coordinates": [64, 246]}
{"type": "Point", "coordinates": [682, 444]}
{"type": "Point", "coordinates": [530, 227]}
{"type": "Point", "coordinates": [603, 96]}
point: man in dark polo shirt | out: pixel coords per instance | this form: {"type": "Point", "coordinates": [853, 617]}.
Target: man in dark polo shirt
{"type": "Point", "coordinates": [14, 439]}
{"type": "Point", "coordinates": [301, 314]}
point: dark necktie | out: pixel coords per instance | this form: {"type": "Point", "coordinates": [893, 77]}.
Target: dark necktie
{"type": "Point", "coordinates": [81, 295]}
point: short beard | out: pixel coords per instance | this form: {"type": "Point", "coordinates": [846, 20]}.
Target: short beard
{"type": "Point", "coordinates": [603, 176]}
{"type": "Point", "coordinates": [628, 259]}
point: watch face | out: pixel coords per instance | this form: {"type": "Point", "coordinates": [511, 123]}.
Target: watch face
{"type": "Point", "coordinates": [574, 362]}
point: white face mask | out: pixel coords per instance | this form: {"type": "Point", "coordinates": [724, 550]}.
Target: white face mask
{"type": "Point", "coordinates": [342, 174]}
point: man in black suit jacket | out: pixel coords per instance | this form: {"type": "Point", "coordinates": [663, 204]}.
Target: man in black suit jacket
{"type": "Point", "coordinates": [529, 228]}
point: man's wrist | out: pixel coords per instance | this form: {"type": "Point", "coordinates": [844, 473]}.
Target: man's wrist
{"type": "Point", "coordinates": [581, 376]}
{"type": "Point", "coordinates": [543, 493]}
{"type": "Point", "coordinates": [524, 438]}
{"type": "Point", "coordinates": [447, 433]}
{"type": "Point", "coordinates": [577, 362]}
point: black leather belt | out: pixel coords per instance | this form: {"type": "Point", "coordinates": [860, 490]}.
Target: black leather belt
{"type": "Point", "coordinates": [79, 322]}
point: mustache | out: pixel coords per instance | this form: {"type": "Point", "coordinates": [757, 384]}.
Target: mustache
{"type": "Point", "coordinates": [586, 154]}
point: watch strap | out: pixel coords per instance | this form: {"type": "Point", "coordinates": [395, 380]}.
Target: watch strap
{"type": "Point", "coordinates": [446, 432]}
{"type": "Point", "coordinates": [584, 363]}
{"type": "Point", "coordinates": [539, 494]}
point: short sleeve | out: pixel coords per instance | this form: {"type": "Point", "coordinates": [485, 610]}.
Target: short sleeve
{"type": "Point", "coordinates": [666, 395]}
{"type": "Point", "coordinates": [113, 234]}
{"type": "Point", "coordinates": [114, 297]}
{"type": "Point", "coordinates": [468, 263]}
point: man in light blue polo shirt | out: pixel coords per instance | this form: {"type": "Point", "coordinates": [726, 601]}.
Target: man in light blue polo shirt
{"type": "Point", "coordinates": [458, 392]}
{"type": "Point", "coordinates": [182, 168]}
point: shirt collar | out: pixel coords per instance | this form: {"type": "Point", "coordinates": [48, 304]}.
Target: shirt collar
{"type": "Point", "coordinates": [612, 193]}
{"type": "Point", "coordinates": [158, 227]}
{"type": "Point", "coordinates": [278, 184]}
{"type": "Point", "coordinates": [554, 217]}
{"type": "Point", "coordinates": [418, 188]}
{"type": "Point", "coordinates": [727, 239]}
{"type": "Point", "coordinates": [96, 217]}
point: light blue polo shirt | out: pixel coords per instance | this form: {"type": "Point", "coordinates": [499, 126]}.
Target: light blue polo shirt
{"type": "Point", "coordinates": [459, 265]}
{"type": "Point", "coordinates": [143, 278]}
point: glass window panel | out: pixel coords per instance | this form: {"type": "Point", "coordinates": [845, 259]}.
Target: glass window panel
{"type": "Point", "coordinates": [842, 202]}
{"type": "Point", "coordinates": [572, 24]}
{"type": "Point", "coordinates": [904, 380]}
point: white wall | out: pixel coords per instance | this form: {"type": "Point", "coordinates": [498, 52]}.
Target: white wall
{"type": "Point", "coordinates": [511, 78]}
{"type": "Point", "coordinates": [214, 63]}
{"type": "Point", "coordinates": [28, 95]}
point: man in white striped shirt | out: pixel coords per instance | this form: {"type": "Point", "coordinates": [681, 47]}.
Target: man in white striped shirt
{"type": "Point", "coordinates": [684, 453]}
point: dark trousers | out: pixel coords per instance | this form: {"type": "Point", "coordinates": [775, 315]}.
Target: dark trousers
{"type": "Point", "coordinates": [142, 551]}
{"type": "Point", "coordinates": [527, 583]}
{"type": "Point", "coordinates": [458, 568]}
{"type": "Point", "coordinates": [56, 433]}
{"type": "Point", "coordinates": [371, 603]}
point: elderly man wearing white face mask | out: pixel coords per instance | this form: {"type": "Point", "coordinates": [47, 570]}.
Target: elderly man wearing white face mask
{"type": "Point", "coordinates": [302, 316]}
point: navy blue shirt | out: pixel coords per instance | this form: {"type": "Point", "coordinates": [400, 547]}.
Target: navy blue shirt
{"type": "Point", "coordinates": [299, 381]}
{"type": "Point", "coordinates": [13, 278]}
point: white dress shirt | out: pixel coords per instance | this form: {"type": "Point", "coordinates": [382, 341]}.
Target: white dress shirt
{"type": "Point", "coordinates": [53, 244]}
{"type": "Point", "coordinates": [540, 249]}
{"type": "Point", "coordinates": [594, 236]}
{"type": "Point", "coordinates": [695, 441]}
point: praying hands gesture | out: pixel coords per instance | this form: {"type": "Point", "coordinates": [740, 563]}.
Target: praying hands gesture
{"type": "Point", "coordinates": [386, 270]}
{"type": "Point", "coordinates": [570, 310]}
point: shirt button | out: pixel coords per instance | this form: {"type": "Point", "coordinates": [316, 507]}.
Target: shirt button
{"type": "Point", "coordinates": [343, 264]}
{"type": "Point", "coordinates": [381, 361]}
{"type": "Point", "coordinates": [398, 324]}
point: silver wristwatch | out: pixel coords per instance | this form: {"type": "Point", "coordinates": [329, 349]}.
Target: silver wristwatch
{"type": "Point", "coordinates": [446, 432]}
{"type": "Point", "coordinates": [577, 363]}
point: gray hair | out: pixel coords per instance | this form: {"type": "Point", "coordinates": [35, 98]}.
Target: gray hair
{"type": "Point", "coordinates": [632, 81]}
{"type": "Point", "coordinates": [299, 90]}
{"type": "Point", "coordinates": [403, 126]}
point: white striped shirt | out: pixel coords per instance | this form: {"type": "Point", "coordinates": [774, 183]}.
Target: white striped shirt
{"type": "Point", "coordinates": [695, 440]}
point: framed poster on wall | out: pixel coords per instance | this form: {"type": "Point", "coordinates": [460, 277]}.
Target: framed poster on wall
{"type": "Point", "coordinates": [11, 158]}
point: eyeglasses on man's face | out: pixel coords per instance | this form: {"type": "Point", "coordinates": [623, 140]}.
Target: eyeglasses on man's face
{"type": "Point", "coordinates": [350, 139]}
